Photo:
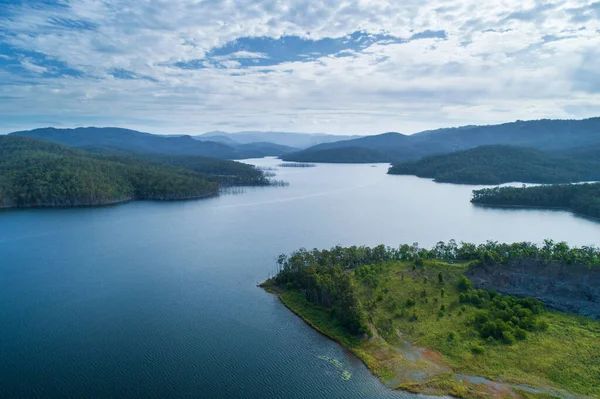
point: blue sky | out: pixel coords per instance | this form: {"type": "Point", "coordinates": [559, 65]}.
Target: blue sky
{"type": "Point", "coordinates": [346, 67]}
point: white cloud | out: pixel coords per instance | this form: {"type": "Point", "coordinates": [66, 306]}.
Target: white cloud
{"type": "Point", "coordinates": [495, 64]}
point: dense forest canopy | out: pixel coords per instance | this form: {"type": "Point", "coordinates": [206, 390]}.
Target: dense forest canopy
{"type": "Point", "coordinates": [219, 170]}
{"type": "Point", "coordinates": [34, 173]}
{"type": "Point", "coordinates": [580, 198]}
{"type": "Point", "coordinates": [497, 164]}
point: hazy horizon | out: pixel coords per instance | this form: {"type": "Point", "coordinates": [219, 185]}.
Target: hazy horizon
{"type": "Point", "coordinates": [278, 131]}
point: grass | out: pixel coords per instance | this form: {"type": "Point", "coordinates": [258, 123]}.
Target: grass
{"type": "Point", "coordinates": [403, 303]}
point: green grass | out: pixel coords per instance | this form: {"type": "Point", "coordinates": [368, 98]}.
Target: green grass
{"type": "Point", "coordinates": [566, 357]}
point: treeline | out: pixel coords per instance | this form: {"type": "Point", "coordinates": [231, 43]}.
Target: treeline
{"type": "Point", "coordinates": [36, 173]}
{"type": "Point", "coordinates": [497, 164]}
{"type": "Point", "coordinates": [579, 198]}
{"type": "Point", "coordinates": [490, 253]}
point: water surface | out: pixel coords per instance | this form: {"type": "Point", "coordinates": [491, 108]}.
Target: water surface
{"type": "Point", "coordinates": [159, 300]}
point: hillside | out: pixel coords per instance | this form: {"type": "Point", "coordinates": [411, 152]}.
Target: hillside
{"type": "Point", "coordinates": [338, 155]}
{"type": "Point", "coordinates": [550, 135]}
{"type": "Point", "coordinates": [223, 171]}
{"type": "Point", "coordinates": [140, 142]}
{"type": "Point", "coordinates": [583, 199]}
{"type": "Point", "coordinates": [497, 164]}
{"type": "Point", "coordinates": [589, 152]}
{"type": "Point", "coordinates": [445, 321]}
{"type": "Point", "coordinates": [387, 147]}
{"type": "Point", "coordinates": [35, 173]}
{"type": "Point", "coordinates": [293, 140]}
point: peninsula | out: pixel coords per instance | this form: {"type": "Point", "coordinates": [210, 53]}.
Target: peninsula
{"type": "Point", "coordinates": [453, 320]}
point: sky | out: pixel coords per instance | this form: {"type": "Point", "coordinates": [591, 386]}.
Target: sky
{"type": "Point", "coordinates": [331, 66]}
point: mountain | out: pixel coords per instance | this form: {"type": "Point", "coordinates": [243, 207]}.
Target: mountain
{"type": "Point", "coordinates": [497, 164]}
{"type": "Point", "coordinates": [37, 173]}
{"type": "Point", "coordinates": [297, 140]}
{"type": "Point", "coordinates": [551, 135]}
{"type": "Point", "coordinates": [386, 147]}
{"type": "Point", "coordinates": [138, 141]}
{"type": "Point", "coordinates": [338, 155]}
{"type": "Point", "coordinates": [222, 171]}
{"type": "Point", "coordinates": [264, 149]}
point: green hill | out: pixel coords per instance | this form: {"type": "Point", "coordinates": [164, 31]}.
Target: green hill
{"type": "Point", "coordinates": [140, 142]}
{"type": "Point", "coordinates": [220, 170]}
{"type": "Point", "coordinates": [496, 164]}
{"type": "Point", "coordinates": [339, 155]}
{"type": "Point", "coordinates": [547, 135]}
{"type": "Point", "coordinates": [35, 173]}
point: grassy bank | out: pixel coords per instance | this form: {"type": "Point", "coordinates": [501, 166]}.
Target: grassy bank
{"type": "Point", "coordinates": [424, 338]}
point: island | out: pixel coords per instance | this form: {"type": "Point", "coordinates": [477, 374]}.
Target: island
{"type": "Point", "coordinates": [583, 199]}
{"type": "Point", "coordinates": [297, 165]}
{"type": "Point", "coordinates": [39, 173]}
{"type": "Point", "coordinates": [470, 321]}
{"type": "Point", "coordinates": [497, 164]}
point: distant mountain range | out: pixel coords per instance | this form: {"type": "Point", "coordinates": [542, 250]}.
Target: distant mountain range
{"type": "Point", "coordinates": [552, 135]}
{"type": "Point", "coordinates": [135, 141]}
{"type": "Point", "coordinates": [294, 140]}
{"type": "Point", "coordinates": [582, 136]}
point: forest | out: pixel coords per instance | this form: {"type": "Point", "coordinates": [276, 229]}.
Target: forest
{"type": "Point", "coordinates": [36, 173]}
{"type": "Point", "coordinates": [583, 199]}
{"type": "Point", "coordinates": [372, 300]}
{"type": "Point", "coordinates": [497, 164]}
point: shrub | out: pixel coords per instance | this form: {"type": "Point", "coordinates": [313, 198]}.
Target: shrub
{"type": "Point", "coordinates": [410, 303]}
{"type": "Point", "coordinates": [414, 317]}
{"type": "Point", "coordinates": [464, 284]}
{"type": "Point", "coordinates": [508, 338]}
{"type": "Point", "coordinates": [520, 334]}
{"type": "Point", "coordinates": [478, 349]}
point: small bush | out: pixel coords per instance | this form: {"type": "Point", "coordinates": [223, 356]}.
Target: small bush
{"type": "Point", "coordinates": [478, 349]}
{"type": "Point", "coordinates": [464, 284]}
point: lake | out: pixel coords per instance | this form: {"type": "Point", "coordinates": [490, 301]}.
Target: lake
{"type": "Point", "coordinates": [159, 299]}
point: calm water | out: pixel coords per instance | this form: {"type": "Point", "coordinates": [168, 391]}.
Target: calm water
{"type": "Point", "coordinates": [159, 300]}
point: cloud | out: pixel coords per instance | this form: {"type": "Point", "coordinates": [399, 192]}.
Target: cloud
{"type": "Point", "coordinates": [356, 66]}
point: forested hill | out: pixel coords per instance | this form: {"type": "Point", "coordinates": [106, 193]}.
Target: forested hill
{"type": "Point", "coordinates": [387, 147]}
{"type": "Point", "coordinates": [550, 135]}
{"type": "Point", "coordinates": [154, 144]}
{"type": "Point", "coordinates": [36, 173]}
{"type": "Point", "coordinates": [496, 164]}
{"type": "Point", "coordinates": [580, 198]}
{"type": "Point", "coordinates": [220, 170]}
{"type": "Point", "coordinates": [339, 155]}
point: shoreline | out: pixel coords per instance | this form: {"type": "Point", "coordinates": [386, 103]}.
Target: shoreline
{"type": "Point", "coordinates": [109, 203]}
{"type": "Point", "coordinates": [441, 379]}
{"type": "Point", "coordinates": [548, 208]}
